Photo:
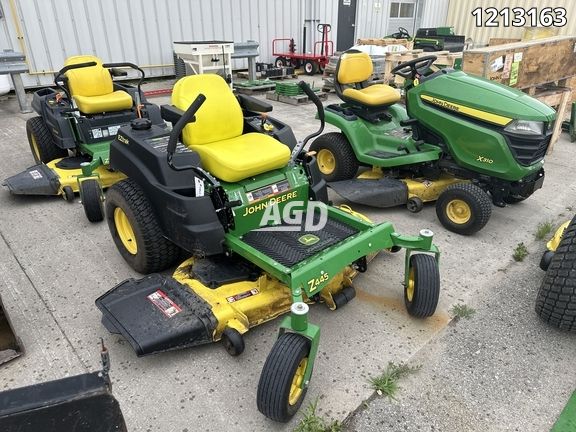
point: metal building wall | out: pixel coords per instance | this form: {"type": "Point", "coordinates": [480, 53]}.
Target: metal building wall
{"type": "Point", "coordinates": [372, 16]}
{"type": "Point", "coordinates": [460, 16]}
{"type": "Point", "coordinates": [142, 31]}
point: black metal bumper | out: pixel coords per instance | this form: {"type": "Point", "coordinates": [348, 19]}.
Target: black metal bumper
{"type": "Point", "coordinates": [36, 180]}
{"type": "Point", "coordinates": [156, 314]}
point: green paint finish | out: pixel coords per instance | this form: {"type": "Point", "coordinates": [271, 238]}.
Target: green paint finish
{"type": "Point", "coordinates": [567, 420]}
{"type": "Point", "coordinates": [384, 136]}
{"type": "Point", "coordinates": [100, 153]}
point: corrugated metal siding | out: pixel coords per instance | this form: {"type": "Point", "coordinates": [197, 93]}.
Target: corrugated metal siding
{"type": "Point", "coordinates": [142, 31]}
{"type": "Point", "coordinates": [460, 16]}
{"type": "Point", "coordinates": [434, 13]}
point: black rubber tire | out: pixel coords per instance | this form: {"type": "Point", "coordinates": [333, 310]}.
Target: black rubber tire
{"type": "Point", "coordinates": [556, 300]}
{"type": "Point", "coordinates": [280, 62]}
{"type": "Point", "coordinates": [426, 286]}
{"type": "Point", "coordinates": [92, 200]}
{"type": "Point", "coordinates": [233, 341]}
{"type": "Point", "coordinates": [68, 194]}
{"type": "Point", "coordinates": [310, 67]}
{"type": "Point", "coordinates": [277, 374]}
{"type": "Point", "coordinates": [475, 197]}
{"type": "Point", "coordinates": [414, 205]}
{"type": "Point", "coordinates": [546, 260]}
{"type": "Point", "coordinates": [47, 149]}
{"type": "Point", "coordinates": [155, 253]}
{"type": "Point", "coordinates": [346, 163]}
{"type": "Point", "coordinates": [344, 296]}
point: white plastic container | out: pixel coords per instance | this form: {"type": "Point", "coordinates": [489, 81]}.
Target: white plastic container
{"type": "Point", "coordinates": [4, 84]}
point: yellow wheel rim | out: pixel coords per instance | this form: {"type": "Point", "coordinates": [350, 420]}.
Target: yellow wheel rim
{"type": "Point", "coordinates": [35, 149]}
{"type": "Point", "coordinates": [458, 211]}
{"type": "Point", "coordinates": [125, 231]}
{"type": "Point", "coordinates": [411, 285]}
{"type": "Point", "coordinates": [296, 386]}
{"type": "Point", "coordinates": [326, 161]}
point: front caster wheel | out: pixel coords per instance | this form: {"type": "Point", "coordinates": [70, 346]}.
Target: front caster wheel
{"type": "Point", "coordinates": [68, 194]}
{"type": "Point", "coordinates": [92, 200]}
{"type": "Point", "coordinates": [281, 388]}
{"type": "Point", "coordinates": [233, 342]}
{"type": "Point", "coordinates": [422, 291]}
{"type": "Point", "coordinates": [463, 208]}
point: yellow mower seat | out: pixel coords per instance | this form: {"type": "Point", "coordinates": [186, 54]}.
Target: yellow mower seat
{"type": "Point", "coordinates": [353, 69]}
{"type": "Point", "coordinates": [217, 132]}
{"type": "Point", "coordinates": [92, 88]}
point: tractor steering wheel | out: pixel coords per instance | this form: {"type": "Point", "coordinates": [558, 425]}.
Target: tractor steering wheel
{"type": "Point", "coordinates": [403, 33]}
{"type": "Point", "coordinates": [411, 69]}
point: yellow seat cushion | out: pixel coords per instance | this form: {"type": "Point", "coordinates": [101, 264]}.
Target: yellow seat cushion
{"type": "Point", "coordinates": [115, 101]}
{"type": "Point", "coordinates": [217, 132]}
{"type": "Point", "coordinates": [244, 156]}
{"type": "Point", "coordinates": [376, 94]}
{"type": "Point", "coordinates": [92, 88]}
{"type": "Point", "coordinates": [354, 68]}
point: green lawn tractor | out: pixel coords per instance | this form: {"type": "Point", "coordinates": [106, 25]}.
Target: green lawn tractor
{"type": "Point", "coordinates": [240, 196]}
{"type": "Point", "coordinates": [461, 141]}
{"type": "Point", "coordinates": [556, 300]}
{"type": "Point", "coordinates": [70, 138]}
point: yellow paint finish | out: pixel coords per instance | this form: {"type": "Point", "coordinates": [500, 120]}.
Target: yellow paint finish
{"type": "Point", "coordinates": [374, 174]}
{"type": "Point", "coordinates": [458, 211]}
{"type": "Point", "coordinates": [429, 190]}
{"type": "Point", "coordinates": [552, 245]}
{"type": "Point", "coordinates": [468, 111]}
{"type": "Point", "coordinates": [296, 387]}
{"type": "Point", "coordinates": [326, 161]}
{"type": "Point", "coordinates": [125, 231]}
{"type": "Point", "coordinates": [269, 300]}
{"type": "Point", "coordinates": [69, 177]}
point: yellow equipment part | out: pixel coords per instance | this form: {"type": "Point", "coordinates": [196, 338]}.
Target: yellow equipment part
{"type": "Point", "coordinates": [69, 177]}
{"type": "Point", "coordinates": [246, 304]}
{"type": "Point", "coordinates": [426, 190]}
{"type": "Point", "coordinates": [552, 245]}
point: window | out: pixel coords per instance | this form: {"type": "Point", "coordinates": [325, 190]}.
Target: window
{"type": "Point", "coordinates": [402, 10]}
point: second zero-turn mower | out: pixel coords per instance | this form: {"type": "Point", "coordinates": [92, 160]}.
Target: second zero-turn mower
{"type": "Point", "coordinates": [556, 300]}
{"type": "Point", "coordinates": [240, 196]}
{"type": "Point", "coordinates": [70, 138]}
{"type": "Point", "coordinates": [462, 141]}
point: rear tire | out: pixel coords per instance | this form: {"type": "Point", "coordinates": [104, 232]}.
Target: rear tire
{"type": "Point", "coordinates": [138, 236]}
{"type": "Point", "coordinates": [423, 289]}
{"type": "Point", "coordinates": [92, 200]}
{"type": "Point", "coordinates": [463, 208]}
{"type": "Point", "coordinates": [335, 157]}
{"type": "Point", "coordinates": [280, 62]}
{"type": "Point", "coordinates": [41, 141]}
{"type": "Point", "coordinates": [556, 300]}
{"type": "Point", "coordinates": [279, 396]}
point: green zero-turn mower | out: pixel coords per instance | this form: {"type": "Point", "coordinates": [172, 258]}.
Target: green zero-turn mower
{"type": "Point", "coordinates": [556, 300]}
{"type": "Point", "coordinates": [218, 197]}
{"type": "Point", "coordinates": [461, 141]}
{"type": "Point", "coordinates": [70, 138]}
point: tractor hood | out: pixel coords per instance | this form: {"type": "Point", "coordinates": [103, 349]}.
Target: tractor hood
{"type": "Point", "coordinates": [482, 99]}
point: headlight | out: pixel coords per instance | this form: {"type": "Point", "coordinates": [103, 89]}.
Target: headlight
{"type": "Point", "coordinates": [525, 127]}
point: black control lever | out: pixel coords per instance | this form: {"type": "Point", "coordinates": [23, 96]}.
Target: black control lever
{"type": "Point", "coordinates": [186, 118]}
{"type": "Point", "coordinates": [314, 98]}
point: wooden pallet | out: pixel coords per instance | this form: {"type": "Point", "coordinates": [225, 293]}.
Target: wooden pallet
{"type": "Point", "coordinates": [559, 98]}
{"type": "Point", "coordinates": [294, 100]}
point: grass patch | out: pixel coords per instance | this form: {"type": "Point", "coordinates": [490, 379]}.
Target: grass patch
{"type": "Point", "coordinates": [387, 383]}
{"type": "Point", "coordinates": [462, 311]}
{"type": "Point", "coordinates": [520, 252]}
{"type": "Point", "coordinates": [544, 229]}
{"type": "Point", "coordinates": [311, 422]}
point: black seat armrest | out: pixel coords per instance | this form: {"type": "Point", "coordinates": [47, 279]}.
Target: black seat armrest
{"type": "Point", "coordinates": [252, 104]}
{"type": "Point", "coordinates": [115, 72]}
{"type": "Point", "coordinates": [170, 113]}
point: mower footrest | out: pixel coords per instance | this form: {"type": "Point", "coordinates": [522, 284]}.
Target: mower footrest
{"type": "Point", "coordinates": [157, 313]}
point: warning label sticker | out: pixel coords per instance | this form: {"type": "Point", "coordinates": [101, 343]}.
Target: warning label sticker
{"type": "Point", "coordinates": [35, 174]}
{"type": "Point", "coordinates": [164, 303]}
{"type": "Point", "coordinates": [243, 295]}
